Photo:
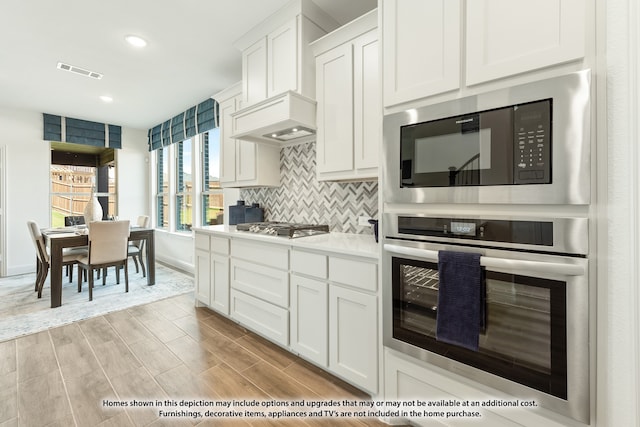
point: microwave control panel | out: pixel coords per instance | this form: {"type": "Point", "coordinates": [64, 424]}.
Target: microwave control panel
{"type": "Point", "coordinates": [532, 143]}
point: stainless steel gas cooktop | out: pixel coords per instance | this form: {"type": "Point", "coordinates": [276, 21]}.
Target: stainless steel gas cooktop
{"type": "Point", "coordinates": [283, 229]}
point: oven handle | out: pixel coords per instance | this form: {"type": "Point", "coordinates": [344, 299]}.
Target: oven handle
{"type": "Point", "coordinates": [490, 262]}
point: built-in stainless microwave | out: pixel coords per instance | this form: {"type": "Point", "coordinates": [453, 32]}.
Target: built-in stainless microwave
{"type": "Point", "coordinates": [524, 144]}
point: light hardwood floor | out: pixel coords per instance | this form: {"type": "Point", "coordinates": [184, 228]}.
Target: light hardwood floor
{"type": "Point", "coordinates": [164, 350]}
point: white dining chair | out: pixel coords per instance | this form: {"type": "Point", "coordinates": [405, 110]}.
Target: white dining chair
{"type": "Point", "coordinates": [69, 258]}
{"type": "Point", "coordinates": [135, 249]}
{"type": "Point", "coordinates": [108, 241]}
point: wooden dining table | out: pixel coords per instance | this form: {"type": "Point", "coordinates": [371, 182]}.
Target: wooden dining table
{"type": "Point", "coordinates": [58, 240]}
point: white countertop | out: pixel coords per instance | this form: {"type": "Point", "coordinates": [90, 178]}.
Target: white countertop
{"type": "Point", "coordinates": [363, 245]}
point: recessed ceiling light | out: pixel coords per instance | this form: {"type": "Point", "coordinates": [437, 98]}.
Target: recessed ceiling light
{"type": "Point", "coordinates": [136, 41]}
{"type": "Point", "coordinates": [106, 98]}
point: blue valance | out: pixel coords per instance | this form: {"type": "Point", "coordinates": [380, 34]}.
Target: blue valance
{"type": "Point", "coordinates": [66, 129]}
{"type": "Point", "coordinates": [197, 119]}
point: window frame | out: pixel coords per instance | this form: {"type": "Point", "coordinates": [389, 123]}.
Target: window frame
{"type": "Point", "coordinates": [173, 193]}
{"type": "Point", "coordinates": [161, 196]}
{"type": "Point", "coordinates": [182, 194]}
{"type": "Point", "coordinates": [205, 190]}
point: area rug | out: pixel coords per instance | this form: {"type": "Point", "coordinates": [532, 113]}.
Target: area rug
{"type": "Point", "coordinates": [22, 312]}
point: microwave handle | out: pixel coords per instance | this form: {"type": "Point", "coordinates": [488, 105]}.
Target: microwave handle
{"type": "Point", "coordinates": [490, 262]}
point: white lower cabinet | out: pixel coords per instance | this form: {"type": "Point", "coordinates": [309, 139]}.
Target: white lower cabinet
{"type": "Point", "coordinates": [202, 269]}
{"type": "Point", "coordinates": [220, 283]}
{"type": "Point", "coordinates": [353, 342]}
{"type": "Point", "coordinates": [267, 319]}
{"type": "Point", "coordinates": [211, 265]}
{"type": "Point", "coordinates": [309, 319]}
{"type": "Point", "coordinates": [321, 305]}
{"type": "Point", "coordinates": [408, 379]}
{"type": "Point", "coordinates": [260, 288]}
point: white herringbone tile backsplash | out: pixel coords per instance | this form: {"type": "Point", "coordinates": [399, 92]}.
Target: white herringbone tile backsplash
{"type": "Point", "coordinates": [302, 198]}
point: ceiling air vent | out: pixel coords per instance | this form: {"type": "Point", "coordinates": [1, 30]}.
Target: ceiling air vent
{"type": "Point", "coordinates": [78, 70]}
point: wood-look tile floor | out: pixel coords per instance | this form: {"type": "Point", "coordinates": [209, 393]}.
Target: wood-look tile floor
{"type": "Point", "coordinates": [164, 350]}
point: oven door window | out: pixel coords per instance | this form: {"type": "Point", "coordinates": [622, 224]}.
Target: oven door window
{"type": "Point", "coordinates": [524, 333]}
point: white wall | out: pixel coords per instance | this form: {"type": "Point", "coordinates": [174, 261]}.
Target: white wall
{"type": "Point", "coordinates": [27, 174]}
{"type": "Point", "coordinates": [28, 181]}
{"type": "Point", "coordinates": [133, 177]}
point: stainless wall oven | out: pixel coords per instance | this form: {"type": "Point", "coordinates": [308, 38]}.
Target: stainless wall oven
{"type": "Point", "coordinates": [533, 339]}
{"type": "Point", "coordinates": [524, 144]}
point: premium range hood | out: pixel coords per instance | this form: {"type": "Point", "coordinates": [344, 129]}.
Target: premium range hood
{"type": "Point", "coordinates": [288, 118]}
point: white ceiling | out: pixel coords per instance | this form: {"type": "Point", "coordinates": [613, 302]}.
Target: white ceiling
{"type": "Point", "coordinates": [189, 57]}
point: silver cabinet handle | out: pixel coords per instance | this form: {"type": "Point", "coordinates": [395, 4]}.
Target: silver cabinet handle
{"type": "Point", "coordinates": [503, 263]}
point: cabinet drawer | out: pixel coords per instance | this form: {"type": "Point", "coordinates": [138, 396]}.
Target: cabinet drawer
{"type": "Point", "coordinates": [359, 274]}
{"type": "Point", "coordinates": [220, 245]}
{"type": "Point", "coordinates": [309, 263]}
{"type": "Point", "coordinates": [275, 256]}
{"type": "Point", "coordinates": [202, 241]}
{"type": "Point", "coordinates": [262, 317]}
{"type": "Point", "coordinates": [263, 282]}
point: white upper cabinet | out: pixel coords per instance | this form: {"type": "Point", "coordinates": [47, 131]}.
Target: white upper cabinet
{"type": "Point", "coordinates": [421, 44]}
{"type": "Point", "coordinates": [424, 53]}
{"type": "Point", "coordinates": [243, 163]}
{"type": "Point", "coordinates": [367, 107]}
{"type": "Point", "coordinates": [276, 56]}
{"type": "Point", "coordinates": [269, 66]}
{"type": "Point", "coordinates": [254, 72]}
{"type": "Point", "coordinates": [282, 54]}
{"type": "Point", "coordinates": [349, 101]}
{"type": "Point", "coordinates": [227, 144]}
{"type": "Point", "coordinates": [334, 93]}
{"type": "Point", "coordinates": [507, 37]}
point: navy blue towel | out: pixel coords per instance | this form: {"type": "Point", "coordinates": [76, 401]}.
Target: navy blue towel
{"type": "Point", "coordinates": [459, 299]}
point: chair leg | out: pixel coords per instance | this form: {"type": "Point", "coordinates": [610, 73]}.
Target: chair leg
{"type": "Point", "coordinates": [144, 270]}
{"type": "Point", "coordinates": [70, 272]}
{"type": "Point", "coordinates": [43, 275]}
{"type": "Point", "coordinates": [135, 261]}
{"type": "Point", "coordinates": [38, 281]}
{"type": "Point", "coordinates": [117, 275]}
{"type": "Point", "coordinates": [38, 270]}
{"type": "Point", "coordinates": [91, 285]}
{"type": "Point", "coordinates": [126, 277]}
{"type": "Point", "coordinates": [80, 272]}
{"type": "Point", "coordinates": [104, 276]}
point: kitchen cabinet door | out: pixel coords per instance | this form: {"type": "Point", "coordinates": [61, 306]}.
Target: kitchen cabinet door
{"type": "Point", "coordinates": [507, 37]}
{"type": "Point", "coordinates": [367, 105]}
{"type": "Point", "coordinates": [334, 92]}
{"type": "Point", "coordinates": [220, 283]}
{"type": "Point", "coordinates": [353, 342]}
{"type": "Point", "coordinates": [227, 144]}
{"type": "Point", "coordinates": [244, 163]}
{"type": "Point", "coordinates": [203, 275]}
{"type": "Point", "coordinates": [245, 160]}
{"type": "Point", "coordinates": [282, 59]}
{"type": "Point", "coordinates": [421, 48]}
{"type": "Point", "coordinates": [254, 72]}
{"type": "Point", "coordinates": [309, 319]}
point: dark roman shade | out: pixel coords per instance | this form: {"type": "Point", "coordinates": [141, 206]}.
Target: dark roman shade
{"type": "Point", "coordinates": [66, 129]}
{"type": "Point", "coordinates": [195, 120]}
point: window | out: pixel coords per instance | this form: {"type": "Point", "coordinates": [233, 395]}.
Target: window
{"type": "Point", "coordinates": [162, 188]}
{"type": "Point", "coordinates": [212, 203]}
{"type": "Point", "coordinates": [187, 187]}
{"type": "Point", "coordinates": [184, 185]}
{"type": "Point", "coordinates": [75, 175]}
